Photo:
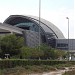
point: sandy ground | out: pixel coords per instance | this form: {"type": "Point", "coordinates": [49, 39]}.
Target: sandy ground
{"type": "Point", "coordinates": [58, 72]}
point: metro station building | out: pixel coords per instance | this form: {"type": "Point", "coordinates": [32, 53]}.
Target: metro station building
{"type": "Point", "coordinates": [33, 32]}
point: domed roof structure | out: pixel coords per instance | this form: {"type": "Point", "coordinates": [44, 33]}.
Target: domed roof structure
{"type": "Point", "coordinates": [46, 26]}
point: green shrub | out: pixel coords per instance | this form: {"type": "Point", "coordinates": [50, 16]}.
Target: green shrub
{"type": "Point", "coordinates": [21, 62]}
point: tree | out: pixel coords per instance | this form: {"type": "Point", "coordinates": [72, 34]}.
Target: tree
{"type": "Point", "coordinates": [11, 44]}
{"type": "Point", "coordinates": [51, 53]}
{"type": "Point", "coordinates": [42, 52]}
{"type": "Point", "coordinates": [31, 53]}
{"type": "Point", "coordinates": [25, 52]}
{"type": "Point", "coordinates": [48, 51]}
{"type": "Point", "coordinates": [60, 53]}
{"type": "Point", "coordinates": [36, 53]}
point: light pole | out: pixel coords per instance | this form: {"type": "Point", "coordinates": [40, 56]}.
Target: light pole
{"type": "Point", "coordinates": [68, 37]}
{"type": "Point", "coordinates": [39, 20]}
{"type": "Point", "coordinates": [39, 23]}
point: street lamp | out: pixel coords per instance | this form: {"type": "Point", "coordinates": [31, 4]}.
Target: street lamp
{"type": "Point", "coordinates": [39, 23]}
{"type": "Point", "coordinates": [39, 20]}
{"type": "Point", "coordinates": [68, 37]}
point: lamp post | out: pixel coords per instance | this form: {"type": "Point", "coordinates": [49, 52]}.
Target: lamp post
{"type": "Point", "coordinates": [39, 23]}
{"type": "Point", "coordinates": [68, 37]}
{"type": "Point", "coordinates": [39, 20]}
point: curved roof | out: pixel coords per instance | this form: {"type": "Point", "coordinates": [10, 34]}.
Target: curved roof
{"type": "Point", "coordinates": [46, 25]}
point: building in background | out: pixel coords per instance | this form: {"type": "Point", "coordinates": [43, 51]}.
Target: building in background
{"type": "Point", "coordinates": [28, 27]}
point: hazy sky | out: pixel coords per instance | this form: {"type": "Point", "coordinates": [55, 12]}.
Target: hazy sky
{"type": "Point", "coordinates": [54, 11]}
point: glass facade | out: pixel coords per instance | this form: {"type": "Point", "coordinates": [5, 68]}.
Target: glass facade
{"type": "Point", "coordinates": [62, 46]}
{"type": "Point", "coordinates": [30, 26]}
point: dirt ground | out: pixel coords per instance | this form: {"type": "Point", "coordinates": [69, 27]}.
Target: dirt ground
{"type": "Point", "coordinates": [58, 72]}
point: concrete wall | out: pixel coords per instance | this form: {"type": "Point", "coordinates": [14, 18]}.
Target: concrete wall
{"type": "Point", "coordinates": [32, 38]}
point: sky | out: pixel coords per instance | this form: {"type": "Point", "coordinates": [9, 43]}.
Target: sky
{"type": "Point", "coordinates": [54, 11]}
